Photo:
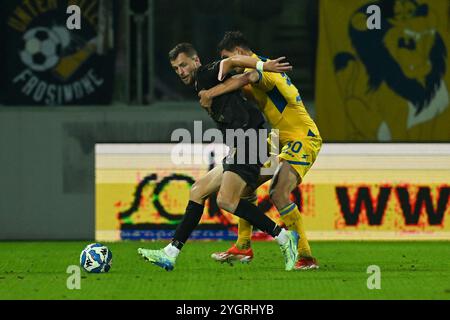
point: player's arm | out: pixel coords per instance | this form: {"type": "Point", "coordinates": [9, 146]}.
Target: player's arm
{"type": "Point", "coordinates": [230, 85]}
{"type": "Point", "coordinates": [240, 61]}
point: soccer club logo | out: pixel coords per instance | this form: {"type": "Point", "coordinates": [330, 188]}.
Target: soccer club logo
{"type": "Point", "coordinates": [55, 50]}
{"type": "Point", "coordinates": [52, 65]}
{"type": "Point", "coordinates": [393, 79]}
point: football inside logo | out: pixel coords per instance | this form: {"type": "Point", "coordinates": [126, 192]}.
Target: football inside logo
{"type": "Point", "coordinates": [42, 49]}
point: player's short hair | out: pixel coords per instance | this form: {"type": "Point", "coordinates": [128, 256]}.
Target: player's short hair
{"type": "Point", "coordinates": [186, 48]}
{"type": "Point", "coordinates": [233, 39]}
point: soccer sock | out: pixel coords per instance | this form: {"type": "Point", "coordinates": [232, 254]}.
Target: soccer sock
{"type": "Point", "coordinates": [293, 220]}
{"type": "Point", "coordinates": [282, 238]}
{"type": "Point", "coordinates": [251, 213]}
{"type": "Point", "coordinates": [172, 251]}
{"type": "Point", "coordinates": [245, 228]}
{"type": "Point", "coordinates": [191, 219]}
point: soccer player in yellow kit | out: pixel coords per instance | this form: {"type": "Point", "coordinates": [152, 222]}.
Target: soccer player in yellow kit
{"type": "Point", "coordinates": [299, 139]}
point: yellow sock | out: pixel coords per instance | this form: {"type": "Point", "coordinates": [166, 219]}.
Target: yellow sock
{"type": "Point", "coordinates": [292, 218]}
{"type": "Point", "coordinates": [245, 229]}
{"type": "Point", "coordinates": [244, 234]}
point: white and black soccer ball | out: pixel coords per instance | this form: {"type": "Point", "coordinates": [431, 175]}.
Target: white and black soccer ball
{"type": "Point", "coordinates": [41, 49]}
{"type": "Point", "coordinates": [96, 258]}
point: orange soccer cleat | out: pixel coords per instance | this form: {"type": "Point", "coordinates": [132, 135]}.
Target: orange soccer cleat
{"type": "Point", "coordinates": [234, 254]}
{"type": "Point", "coordinates": [306, 263]}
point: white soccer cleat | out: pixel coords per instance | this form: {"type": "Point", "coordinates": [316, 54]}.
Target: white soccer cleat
{"type": "Point", "coordinates": [159, 258]}
{"type": "Point", "coordinates": [289, 250]}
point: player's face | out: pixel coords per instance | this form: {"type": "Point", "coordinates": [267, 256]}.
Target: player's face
{"type": "Point", "coordinates": [225, 54]}
{"type": "Point", "coordinates": [185, 66]}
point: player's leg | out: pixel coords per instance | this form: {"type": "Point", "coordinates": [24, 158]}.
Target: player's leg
{"type": "Point", "coordinates": [206, 185]}
{"type": "Point", "coordinates": [245, 228]}
{"type": "Point", "coordinates": [296, 158]}
{"type": "Point", "coordinates": [283, 182]}
{"type": "Point", "coordinates": [241, 250]}
{"type": "Point", "coordinates": [229, 199]}
{"type": "Point", "coordinates": [201, 189]}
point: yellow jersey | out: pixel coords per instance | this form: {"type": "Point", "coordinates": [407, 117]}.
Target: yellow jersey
{"type": "Point", "coordinates": [282, 105]}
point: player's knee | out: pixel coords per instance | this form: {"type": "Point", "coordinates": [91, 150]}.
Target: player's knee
{"type": "Point", "coordinates": [197, 192]}
{"type": "Point", "coordinates": [279, 197]}
{"type": "Point", "coordinates": [227, 203]}
{"type": "Point", "coordinates": [273, 194]}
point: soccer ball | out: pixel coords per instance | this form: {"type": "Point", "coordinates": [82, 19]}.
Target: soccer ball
{"type": "Point", "coordinates": [42, 49]}
{"type": "Point", "coordinates": [96, 258]}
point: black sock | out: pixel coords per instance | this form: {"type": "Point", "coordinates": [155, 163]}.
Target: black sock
{"type": "Point", "coordinates": [177, 244]}
{"type": "Point", "coordinates": [251, 213]}
{"type": "Point", "coordinates": [191, 219]}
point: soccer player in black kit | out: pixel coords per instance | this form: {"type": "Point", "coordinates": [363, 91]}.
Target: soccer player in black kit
{"type": "Point", "coordinates": [230, 111]}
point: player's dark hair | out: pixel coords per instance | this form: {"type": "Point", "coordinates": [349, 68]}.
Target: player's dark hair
{"type": "Point", "coordinates": [186, 48]}
{"type": "Point", "coordinates": [233, 39]}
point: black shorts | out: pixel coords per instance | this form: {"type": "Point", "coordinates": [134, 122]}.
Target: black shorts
{"type": "Point", "coordinates": [246, 162]}
{"type": "Point", "coordinates": [248, 172]}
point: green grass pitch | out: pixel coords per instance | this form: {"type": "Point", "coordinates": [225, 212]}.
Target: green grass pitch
{"type": "Point", "coordinates": [409, 270]}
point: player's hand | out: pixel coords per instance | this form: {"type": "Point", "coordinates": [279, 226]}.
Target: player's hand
{"type": "Point", "coordinates": [277, 65]}
{"type": "Point", "coordinates": [205, 100]}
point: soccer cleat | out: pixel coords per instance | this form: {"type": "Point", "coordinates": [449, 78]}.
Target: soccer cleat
{"type": "Point", "coordinates": [289, 250]}
{"type": "Point", "coordinates": [159, 258]}
{"type": "Point", "coordinates": [261, 236]}
{"type": "Point", "coordinates": [234, 254]}
{"type": "Point", "coordinates": [306, 263]}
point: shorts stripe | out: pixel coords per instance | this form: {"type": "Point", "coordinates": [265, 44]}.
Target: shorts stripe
{"type": "Point", "coordinates": [299, 163]}
{"type": "Point", "coordinates": [287, 209]}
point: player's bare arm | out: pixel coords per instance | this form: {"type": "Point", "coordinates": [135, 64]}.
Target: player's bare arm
{"type": "Point", "coordinates": [241, 61]}
{"type": "Point", "coordinates": [235, 83]}
{"type": "Point", "coordinates": [240, 81]}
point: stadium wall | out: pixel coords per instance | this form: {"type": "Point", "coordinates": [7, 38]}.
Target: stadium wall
{"type": "Point", "coordinates": [48, 158]}
{"type": "Point", "coordinates": [361, 191]}
{"type": "Point", "coordinates": [47, 162]}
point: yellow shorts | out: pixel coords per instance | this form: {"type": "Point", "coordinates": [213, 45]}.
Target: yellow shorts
{"type": "Point", "coordinates": [300, 154]}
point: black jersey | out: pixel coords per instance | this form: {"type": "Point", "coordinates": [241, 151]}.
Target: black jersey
{"type": "Point", "coordinates": [231, 110]}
